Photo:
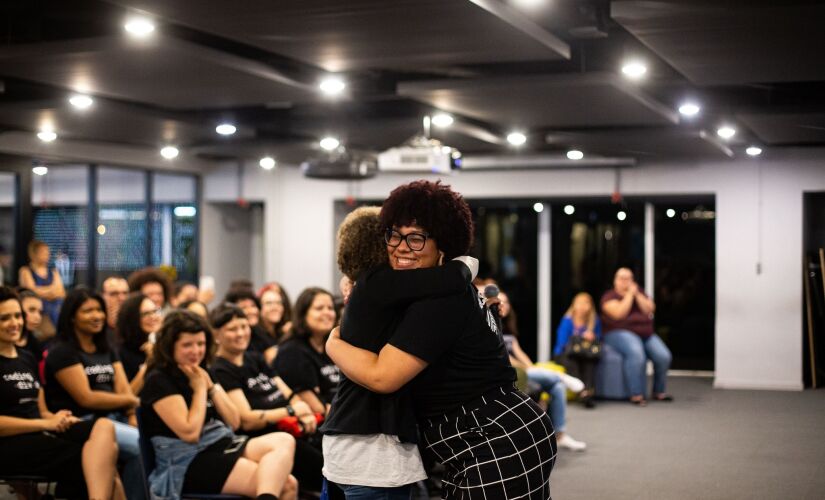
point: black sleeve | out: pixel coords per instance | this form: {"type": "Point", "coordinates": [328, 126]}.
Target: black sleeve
{"type": "Point", "coordinates": [296, 369]}
{"type": "Point", "coordinates": [258, 363]}
{"type": "Point", "coordinates": [61, 356]}
{"type": "Point", "coordinates": [387, 287]}
{"type": "Point", "coordinates": [225, 376]}
{"type": "Point", "coordinates": [158, 385]}
{"type": "Point", "coordinates": [131, 362]}
{"type": "Point", "coordinates": [430, 327]}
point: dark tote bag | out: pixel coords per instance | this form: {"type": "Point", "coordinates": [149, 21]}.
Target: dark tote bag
{"type": "Point", "coordinates": [580, 348]}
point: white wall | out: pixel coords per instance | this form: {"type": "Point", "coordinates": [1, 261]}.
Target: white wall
{"type": "Point", "coordinates": [759, 316]}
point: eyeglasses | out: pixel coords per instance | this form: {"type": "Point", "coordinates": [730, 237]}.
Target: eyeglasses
{"type": "Point", "coordinates": [415, 241]}
{"type": "Point", "coordinates": [146, 314]}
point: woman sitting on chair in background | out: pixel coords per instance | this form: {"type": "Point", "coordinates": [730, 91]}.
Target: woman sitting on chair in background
{"type": "Point", "coordinates": [183, 414]}
{"type": "Point", "coordinates": [579, 322]}
{"type": "Point", "coordinates": [137, 325]}
{"type": "Point", "coordinates": [36, 441]}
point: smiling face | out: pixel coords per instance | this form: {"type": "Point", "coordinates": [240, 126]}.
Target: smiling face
{"type": "Point", "coordinates": [11, 321]}
{"type": "Point", "coordinates": [320, 317]}
{"type": "Point", "coordinates": [190, 349]}
{"type": "Point", "coordinates": [272, 307]}
{"type": "Point", "coordinates": [582, 305]}
{"type": "Point", "coordinates": [233, 337]}
{"type": "Point", "coordinates": [150, 319]}
{"type": "Point", "coordinates": [33, 307]}
{"type": "Point", "coordinates": [403, 258]}
{"type": "Point", "coordinates": [154, 291]}
{"type": "Point", "coordinates": [253, 314]}
{"type": "Point", "coordinates": [89, 318]}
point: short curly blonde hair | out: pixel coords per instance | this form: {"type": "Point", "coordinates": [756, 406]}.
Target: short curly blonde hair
{"type": "Point", "coordinates": [360, 242]}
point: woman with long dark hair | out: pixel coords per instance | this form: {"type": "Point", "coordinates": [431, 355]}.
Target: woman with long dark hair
{"type": "Point", "coordinates": [80, 455]}
{"type": "Point", "coordinates": [137, 325]}
{"type": "Point", "coordinates": [85, 375]}
{"type": "Point", "coordinates": [190, 421]}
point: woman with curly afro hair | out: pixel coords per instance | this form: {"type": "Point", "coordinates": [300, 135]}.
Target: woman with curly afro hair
{"type": "Point", "coordinates": [493, 440]}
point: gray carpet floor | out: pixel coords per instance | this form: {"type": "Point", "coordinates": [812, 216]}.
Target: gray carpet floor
{"type": "Point", "coordinates": [708, 444]}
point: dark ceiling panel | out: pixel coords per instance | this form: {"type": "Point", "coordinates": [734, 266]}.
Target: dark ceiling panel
{"type": "Point", "coordinates": [787, 128]}
{"type": "Point", "coordinates": [164, 72]}
{"type": "Point", "coordinates": [585, 100]}
{"type": "Point", "coordinates": [641, 143]}
{"type": "Point", "coordinates": [731, 42]}
{"type": "Point", "coordinates": [359, 34]}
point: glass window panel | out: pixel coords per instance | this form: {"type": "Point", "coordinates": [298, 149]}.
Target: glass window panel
{"type": "Point", "coordinates": [122, 226]}
{"type": "Point", "coordinates": [7, 201]}
{"type": "Point", "coordinates": [174, 224]}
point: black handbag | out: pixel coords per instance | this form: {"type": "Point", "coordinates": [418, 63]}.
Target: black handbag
{"type": "Point", "coordinates": [580, 348]}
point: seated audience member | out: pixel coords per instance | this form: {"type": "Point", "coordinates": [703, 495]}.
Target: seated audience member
{"type": "Point", "coordinates": [552, 382]}
{"type": "Point", "coordinates": [85, 375]}
{"type": "Point", "coordinates": [190, 422]}
{"type": "Point", "coordinates": [302, 361]}
{"type": "Point", "coordinates": [80, 455]}
{"type": "Point", "coordinates": [261, 397]}
{"type": "Point", "coordinates": [627, 314]}
{"type": "Point", "coordinates": [33, 318]}
{"type": "Point", "coordinates": [153, 283]}
{"type": "Point", "coordinates": [137, 326]}
{"type": "Point", "coordinates": [43, 280]}
{"type": "Point", "coordinates": [580, 321]}
{"type": "Point", "coordinates": [184, 292]}
{"type": "Point", "coordinates": [246, 299]}
{"type": "Point", "coordinates": [114, 290]}
{"type": "Point", "coordinates": [276, 311]}
{"type": "Point", "coordinates": [194, 306]}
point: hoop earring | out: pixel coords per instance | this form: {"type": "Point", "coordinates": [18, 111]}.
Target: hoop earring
{"type": "Point", "coordinates": [440, 258]}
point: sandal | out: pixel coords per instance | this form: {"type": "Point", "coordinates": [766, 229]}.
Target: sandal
{"type": "Point", "coordinates": [663, 396]}
{"type": "Point", "coordinates": [639, 402]}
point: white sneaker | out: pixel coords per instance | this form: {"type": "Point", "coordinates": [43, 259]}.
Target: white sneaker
{"type": "Point", "coordinates": [572, 383]}
{"type": "Point", "coordinates": [567, 441]}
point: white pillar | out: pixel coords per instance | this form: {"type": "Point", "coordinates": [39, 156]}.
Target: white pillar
{"type": "Point", "coordinates": [544, 286]}
{"type": "Point", "coordinates": [650, 235]}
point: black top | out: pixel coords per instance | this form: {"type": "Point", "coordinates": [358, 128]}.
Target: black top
{"type": "Point", "coordinates": [19, 386]}
{"type": "Point", "coordinates": [161, 383]}
{"type": "Point", "coordinates": [33, 346]}
{"type": "Point", "coordinates": [131, 359]}
{"type": "Point", "coordinates": [456, 335]}
{"type": "Point", "coordinates": [303, 369]}
{"type": "Point", "coordinates": [375, 308]}
{"type": "Point", "coordinates": [99, 368]}
{"type": "Point", "coordinates": [254, 378]}
{"type": "Point", "coordinates": [260, 341]}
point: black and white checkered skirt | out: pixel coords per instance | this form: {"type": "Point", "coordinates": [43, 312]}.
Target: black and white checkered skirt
{"type": "Point", "coordinates": [501, 446]}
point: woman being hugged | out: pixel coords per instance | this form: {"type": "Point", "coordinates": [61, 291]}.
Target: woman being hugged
{"type": "Point", "coordinates": [36, 441]}
{"type": "Point", "coordinates": [190, 422]}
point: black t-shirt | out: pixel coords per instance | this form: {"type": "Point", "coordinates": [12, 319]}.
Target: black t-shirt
{"type": "Point", "coordinates": [161, 383]}
{"type": "Point", "coordinates": [303, 369]}
{"type": "Point", "coordinates": [131, 359]}
{"type": "Point", "coordinates": [456, 335]}
{"type": "Point", "coordinates": [33, 346]}
{"type": "Point", "coordinates": [99, 368]}
{"type": "Point", "coordinates": [19, 386]}
{"type": "Point", "coordinates": [254, 378]}
{"type": "Point", "coordinates": [376, 306]}
{"type": "Point", "coordinates": [260, 341]}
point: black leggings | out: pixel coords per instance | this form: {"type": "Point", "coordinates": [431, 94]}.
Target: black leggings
{"type": "Point", "coordinates": [582, 369]}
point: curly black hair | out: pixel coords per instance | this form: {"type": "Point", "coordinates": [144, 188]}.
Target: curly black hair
{"type": "Point", "coordinates": [360, 242]}
{"type": "Point", "coordinates": [437, 209]}
{"type": "Point", "coordinates": [235, 295]}
{"type": "Point", "coordinates": [146, 275]}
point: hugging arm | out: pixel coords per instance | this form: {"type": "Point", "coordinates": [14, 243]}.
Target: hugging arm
{"type": "Point", "coordinates": [388, 287]}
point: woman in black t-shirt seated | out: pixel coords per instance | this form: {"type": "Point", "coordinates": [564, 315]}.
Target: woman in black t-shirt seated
{"type": "Point", "coordinates": [33, 312]}
{"type": "Point", "coordinates": [36, 441]}
{"type": "Point", "coordinates": [263, 400]}
{"type": "Point", "coordinates": [84, 374]}
{"type": "Point", "coordinates": [302, 361]}
{"type": "Point", "coordinates": [184, 414]}
{"type": "Point", "coordinates": [137, 324]}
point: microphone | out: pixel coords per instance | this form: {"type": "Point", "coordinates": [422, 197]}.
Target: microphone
{"type": "Point", "coordinates": [491, 292]}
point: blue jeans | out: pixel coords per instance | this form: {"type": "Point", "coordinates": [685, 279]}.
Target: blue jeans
{"type": "Point", "coordinates": [355, 492]}
{"type": "Point", "coordinates": [551, 383]}
{"type": "Point", "coordinates": [129, 455]}
{"type": "Point", "coordinates": [635, 352]}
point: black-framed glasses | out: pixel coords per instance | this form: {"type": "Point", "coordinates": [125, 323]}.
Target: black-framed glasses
{"type": "Point", "coordinates": [415, 241]}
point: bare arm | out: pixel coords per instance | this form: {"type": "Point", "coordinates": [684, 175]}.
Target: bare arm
{"type": "Point", "coordinates": [384, 373]}
{"type": "Point", "coordinates": [57, 289]}
{"type": "Point", "coordinates": [645, 303]}
{"type": "Point", "coordinates": [270, 355]}
{"type": "Point", "coordinates": [73, 379]}
{"type": "Point", "coordinates": [48, 421]}
{"type": "Point", "coordinates": [618, 309]}
{"type": "Point", "coordinates": [26, 280]}
{"type": "Point", "coordinates": [136, 384]}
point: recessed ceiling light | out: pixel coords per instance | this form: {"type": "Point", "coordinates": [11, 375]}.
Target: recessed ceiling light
{"type": "Point", "coordinates": [330, 143]}
{"type": "Point", "coordinates": [689, 109]}
{"type": "Point", "coordinates": [670, 213]}
{"type": "Point", "coordinates": [569, 209]}
{"type": "Point", "coordinates": [169, 152]}
{"type": "Point", "coordinates": [139, 27]}
{"type": "Point", "coordinates": [754, 151]}
{"type": "Point", "coordinates": [516, 138]}
{"type": "Point", "coordinates": [47, 135]}
{"type": "Point", "coordinates": [225, 129]}
{"type": "Point", "coordinates": [538, 207]}
{"type": "Point", "coordinates": [267, 163]}
{"type": "Point", "coordinates": [726, 132]}
{"type": "Point", "coordinates": [81, 101]}
{"type": "Point", "coordinates": [40, 170]}
{"type": "Point", "coordinates": [634, 70]}
{"type": "Point", "coordinates": [332, 85]}
{"type": "Point", "coordinates": [575, 154]}
{"type": "Point", "coordinates": [621, 215]}
{"type": "Point", "coordinates": [442, 120]}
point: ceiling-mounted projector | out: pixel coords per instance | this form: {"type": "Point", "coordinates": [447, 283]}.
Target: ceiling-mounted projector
{"type": "Point", "coordinates": [341, 167]}
{"type": "Point", "coordinates": [420, 154]}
